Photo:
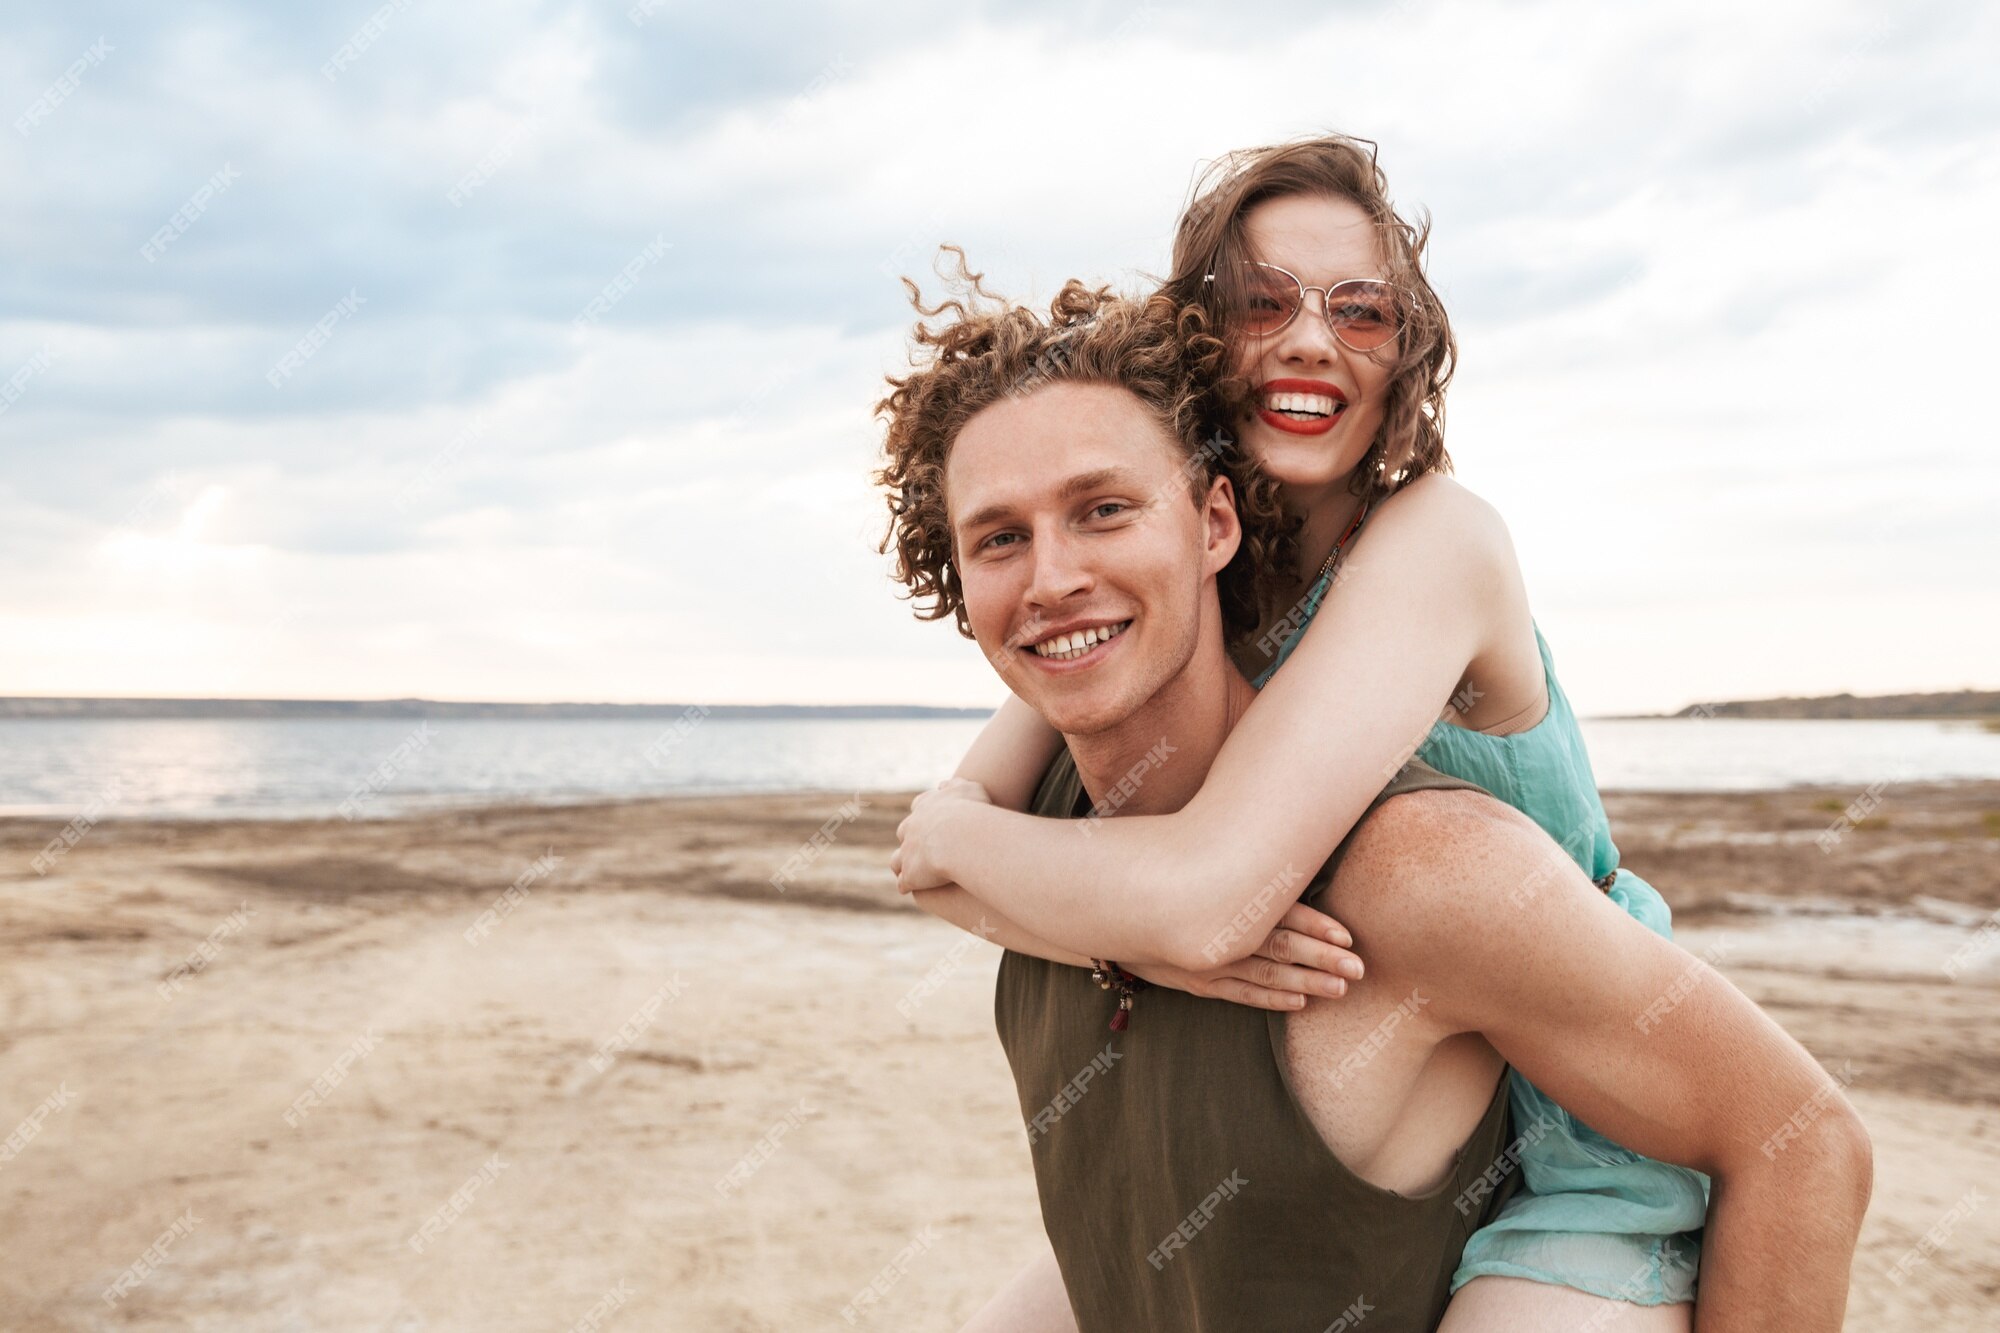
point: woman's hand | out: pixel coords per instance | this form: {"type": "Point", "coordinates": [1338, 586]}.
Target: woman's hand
{"type": "Point", "coordinates": [914, 862]}
{"type": "Point", "coordinates": [1309, 954]}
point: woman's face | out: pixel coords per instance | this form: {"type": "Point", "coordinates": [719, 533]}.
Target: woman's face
{"type": "Point", "coordinates": [1332, 396]}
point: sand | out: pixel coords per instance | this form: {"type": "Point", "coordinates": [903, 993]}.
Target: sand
{"type": "Point", "coordinates": [651, 1091]}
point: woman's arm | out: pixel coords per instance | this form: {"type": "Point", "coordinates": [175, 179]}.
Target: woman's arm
{"type": "Point", "coordinates": [1430, 587]}
{"type": "Point", "coordinates": [1010, 754]}
{"type": "Point", "coordinates": [1308, 955]}
{"type": "Point", "coordinates": [961, 909]}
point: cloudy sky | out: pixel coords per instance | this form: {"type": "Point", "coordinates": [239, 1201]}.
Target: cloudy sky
{"type": "Point", "coordinates": [527, 351]}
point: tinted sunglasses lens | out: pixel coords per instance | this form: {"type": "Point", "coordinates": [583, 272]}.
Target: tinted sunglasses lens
{"type": "Point", "coordinates": [1263, 298]}
{"type": "Point", "coordinates": [1364, 315]}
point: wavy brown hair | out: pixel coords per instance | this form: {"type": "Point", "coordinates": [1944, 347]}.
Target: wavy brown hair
{"type": "Point", "coordinates": [981, 349]}
{"type": "Point", "coordinates": [1210, 240]}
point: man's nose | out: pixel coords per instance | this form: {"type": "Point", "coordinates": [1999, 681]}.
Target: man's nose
{"type": "Point", "coordinates": [1059, 569]}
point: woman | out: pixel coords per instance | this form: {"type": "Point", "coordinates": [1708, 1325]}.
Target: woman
{"type": "Point", "coordinates": [1421, 642]}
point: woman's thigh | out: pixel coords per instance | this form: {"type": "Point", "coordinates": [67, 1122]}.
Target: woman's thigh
{"type": "Point", "coordinates": [1516, 1305]}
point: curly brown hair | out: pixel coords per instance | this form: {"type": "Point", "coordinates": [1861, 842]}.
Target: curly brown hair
{"type": "Point", "coordinates": [1209, 240]}
{"type": "Point", "coordinates": [987, 349]}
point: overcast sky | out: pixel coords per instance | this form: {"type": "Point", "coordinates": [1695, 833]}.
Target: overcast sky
{"type": "Point", "coordinates": [319, 378]}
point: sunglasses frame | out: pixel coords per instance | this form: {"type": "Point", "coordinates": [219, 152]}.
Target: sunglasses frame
{"type": "Point", "coordinates": [1403, 298]}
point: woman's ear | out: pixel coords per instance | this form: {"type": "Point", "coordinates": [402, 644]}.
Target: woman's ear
{"type": "Point", "coordinates": [1224, 527]}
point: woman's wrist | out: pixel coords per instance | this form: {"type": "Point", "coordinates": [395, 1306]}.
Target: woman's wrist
{"type": "Point", "coordinates": [957, 826]}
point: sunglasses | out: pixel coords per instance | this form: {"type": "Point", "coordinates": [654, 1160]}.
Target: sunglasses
{"type": "Point", "coordinates": [1363, 313]}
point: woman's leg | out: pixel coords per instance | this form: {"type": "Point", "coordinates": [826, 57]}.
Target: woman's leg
{"type": "Point", "coordinates": [1516, 1305]}
{"type": "Point", "coordinates": [1033, 1301]}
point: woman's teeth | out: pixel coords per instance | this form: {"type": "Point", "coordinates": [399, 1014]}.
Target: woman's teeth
{"type": "Point", "coordinates": [1301, 406]}
{"type": "Point", "coordinates": [1063, 647]}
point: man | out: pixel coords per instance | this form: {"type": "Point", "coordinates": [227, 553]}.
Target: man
{"type": "Point", "coordinates": [1212, 1166]}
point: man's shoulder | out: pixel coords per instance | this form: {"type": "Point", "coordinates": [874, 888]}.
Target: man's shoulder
{"type": "Point", "coordinates": [1428, 857]}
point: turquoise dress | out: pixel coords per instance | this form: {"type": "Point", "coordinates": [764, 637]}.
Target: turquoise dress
{"type": "Point", "coordinates": [1588, 1214]}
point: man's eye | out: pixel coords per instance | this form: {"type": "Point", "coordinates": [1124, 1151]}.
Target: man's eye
{"type": "Point", "coordinates": [1113, 505]}
{"type": "Point", "coordinates": [996, 539]}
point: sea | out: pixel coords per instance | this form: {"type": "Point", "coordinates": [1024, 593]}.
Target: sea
{"type": "Point", "coordinates": [377, 767]}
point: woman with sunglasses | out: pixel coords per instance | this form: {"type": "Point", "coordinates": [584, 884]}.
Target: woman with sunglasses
{"type": "Point", "coordinates": [1421, 642]}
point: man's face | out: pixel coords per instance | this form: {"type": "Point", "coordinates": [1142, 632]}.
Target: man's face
{"type": "Point", "coordinates": [1087, 566]}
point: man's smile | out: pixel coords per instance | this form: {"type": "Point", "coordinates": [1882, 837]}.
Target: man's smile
{"type": "Point", "coordinates": [1078, 645]}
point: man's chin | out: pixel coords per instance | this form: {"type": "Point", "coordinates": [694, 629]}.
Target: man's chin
{"type": "Point", "coordinates": [1076, 716]}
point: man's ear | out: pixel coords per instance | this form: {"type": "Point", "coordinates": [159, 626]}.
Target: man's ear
{"type": "Point", "coordinates": [1223, 526]}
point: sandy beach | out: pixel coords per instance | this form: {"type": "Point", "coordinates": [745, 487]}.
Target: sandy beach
{"type": "Point", "coordinates": [584, 1066]}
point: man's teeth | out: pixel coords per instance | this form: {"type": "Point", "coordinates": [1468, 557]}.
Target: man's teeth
{"type": "Point", "coordinates": [1306, 405]}
{"type": "Point", "coordinates": [1065, 646]}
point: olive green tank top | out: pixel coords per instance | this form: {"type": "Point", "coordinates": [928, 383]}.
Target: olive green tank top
{"type": "Point", "coordinates": [1183, 1186]}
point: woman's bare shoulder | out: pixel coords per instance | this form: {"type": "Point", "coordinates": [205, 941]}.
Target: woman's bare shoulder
{"type": "Point", "coordinates": [1446, 518]}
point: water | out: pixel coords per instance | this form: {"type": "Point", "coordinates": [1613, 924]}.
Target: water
{"type": "Point", "coordinates": [310, 767]}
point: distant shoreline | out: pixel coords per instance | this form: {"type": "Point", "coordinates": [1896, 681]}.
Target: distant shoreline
{"type": "Point", "coordinates": [1950, 706]}
{"type": "Point", "coordinates": [1958, 705]}
{"type": "Point", "coordinates": [83, 708]}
